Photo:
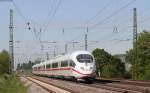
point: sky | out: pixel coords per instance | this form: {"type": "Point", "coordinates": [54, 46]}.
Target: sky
{"type": "Point", "coordinates": [63, 22]}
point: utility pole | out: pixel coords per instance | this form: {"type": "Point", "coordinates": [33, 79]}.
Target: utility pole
{"type": "Point", "coordinates": [135, 55]}
{"type": "Point", "coordinates": [11, 45]}
{"type": "Point", "coordinates": [54, 51]}
{"type": "Point", "coordinates": [86, 45]}
{"type": "Point", "coordinates": [66, 48]}
{"type": "Point", "coordinates": [42, 49]}
{"type": "Point", "coordinates": [47, 55]}
{"type": "Point", "coordinates": [73, 43]}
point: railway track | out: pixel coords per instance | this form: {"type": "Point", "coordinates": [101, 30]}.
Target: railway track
{"type": "Point", "coordinates": [49, 87]}
{"type": "Point", "coordinates": [121, 88]}
{"type": "Point", "coordinates": [131, 82]}
{"type": "Point", "coordinates": [118, 87]}
{"type": "Point", "coordinates": [130, 86]}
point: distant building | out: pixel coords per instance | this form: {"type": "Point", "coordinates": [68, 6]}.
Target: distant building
{"type": "Point", "coordinates": [123, 60]}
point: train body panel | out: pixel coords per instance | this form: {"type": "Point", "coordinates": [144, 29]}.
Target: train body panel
{"type": "Point", "coordinates": [79, 64]}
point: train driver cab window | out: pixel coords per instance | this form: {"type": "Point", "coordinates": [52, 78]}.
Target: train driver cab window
{"type": "Point", "coordinates": [43, 67]}
{"type": "Point", "coordinates": [64, 63]}
{"type": "Point", "coordinates": [85, 58]}
{"type": "Point", "coordinates": [72, 64]}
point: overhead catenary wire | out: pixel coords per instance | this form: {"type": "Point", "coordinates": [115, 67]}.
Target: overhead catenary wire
{"type": "Point", "coordinates": [113, 14]}
{"type": "Point", "coordinates": [75, 38]}
{"type": "Point", "coordinates": [108, 17]}
{"type": "Point", "coordinates": [83, 27]}
{"type": "Point", "coordinates": [126, 40]}
{"type": "Point", "coordinates": [53, 15]}
{"type": "Point", "coordinates": [99, 12]}
{"type": "Point", "coordinates": [92, 18]}
{"type": "Point", "coordinates": [18, 10]}
{"type": "Point", "coordinates": [21, 14]}
{"type": "Point", "coordinates": [28, 22]}
{"type": "Point", "coordinates": [23, 17]}
{"type": "Point", "coordinates": [51, 8]}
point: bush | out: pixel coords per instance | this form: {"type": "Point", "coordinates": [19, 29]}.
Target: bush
{"type": "Point", "coordinates": [12, 84]}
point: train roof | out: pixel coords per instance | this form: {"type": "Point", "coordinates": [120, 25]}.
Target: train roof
{"type": "Point", "coordinates": [62, 57]}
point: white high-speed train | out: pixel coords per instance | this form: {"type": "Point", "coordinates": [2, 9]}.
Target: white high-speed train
{"type": "Point", "coordinates": [77, 65]}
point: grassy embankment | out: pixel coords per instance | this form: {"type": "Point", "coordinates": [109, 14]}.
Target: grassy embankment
{"type": "Point", "coordinates": [12, 84]}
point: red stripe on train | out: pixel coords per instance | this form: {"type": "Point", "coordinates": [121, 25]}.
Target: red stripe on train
{"type": "Point", "coordinates": [51, 69]}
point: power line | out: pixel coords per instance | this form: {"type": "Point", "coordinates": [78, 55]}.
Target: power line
{"type": "Point", "coordinates": [118, 41]}
{"type": "Point", "coordinates": [50, 10]}
{"type": "Point", "coordinates": [82, 27]}
{"type": "Point", "coordinates": [113, 14]}
{"type": "Point", "coordinates": [92, 18]}
{"type": "Point", "coordinates": [99, 12]}
{"type": "Point", "coordinates": [129, 26]}
{"type": "Point", "coordinates": [55, 11]}
{"type": "Point", "coordinates": [18, 10]}
{"type": "Point", "coordinates": [21, 14]}
{"type": "Point", "coordinates": [24, 18]}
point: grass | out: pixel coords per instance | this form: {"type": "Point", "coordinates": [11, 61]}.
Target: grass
{"type": "Point", "coordinates": [12, 84]}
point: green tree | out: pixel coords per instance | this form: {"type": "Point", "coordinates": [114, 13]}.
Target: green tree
{"type": "Point", "coordinates": [108, 65]}
{"type": "Point", "coordinates": [101, 58]}
{"type": "Point", "coordinates": [142, 67]}
{"type": "Point", "coordinates": [4, 62]}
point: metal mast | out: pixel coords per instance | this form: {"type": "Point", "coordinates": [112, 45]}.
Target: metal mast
{"type": "Point", "coordinates": [66, 48]}
{"type": "Point", "coordinates": [86, 45]}
{"type": "Point", "coordinates": [11, 45]}
{"type": "Point", "coordinates": [47, 55]}
{"type": "Point", "coordinates": [135, 57]}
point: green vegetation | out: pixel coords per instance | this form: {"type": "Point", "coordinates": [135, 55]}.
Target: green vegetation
{"type": "Point", "coordinates": [4, 62]}
{"type": "Point", "coordinates": [111, 67]}
{"type": "Point", "coordinates": [12, 84]}
{"type": "Point", "coordinates": [9, 83]}
{"type": "Point", "coordinates": [108, 65]}
{"type": "Point", "coordinates": [25, 67]}
{"type": "Point", "coordinates": [142, 68]}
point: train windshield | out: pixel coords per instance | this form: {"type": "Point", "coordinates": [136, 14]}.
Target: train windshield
{"type": "Point", "coordinates": [85, 58]}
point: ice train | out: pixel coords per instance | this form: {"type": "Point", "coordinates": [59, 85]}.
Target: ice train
{"type": "Point", "coordinates": [79, 65]}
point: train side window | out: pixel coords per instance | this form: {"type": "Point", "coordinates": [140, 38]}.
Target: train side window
{"type": "Point", "coordinates": [54, 65]}
{"type": "Point", "coordinates": [72, 63]}
{"type": "Point", "coordinates": [48, 66]}
{"type": "Point", "coordinates": [43, 67]}
{"type": "Point", "coordinates": [64, 63]}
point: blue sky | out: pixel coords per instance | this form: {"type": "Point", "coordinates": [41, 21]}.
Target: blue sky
{"type": "Point", "coordinates": [73, 16]}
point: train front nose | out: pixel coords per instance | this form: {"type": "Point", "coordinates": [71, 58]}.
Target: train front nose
{"type": "Point", "coordinates": [86, 65]}
{"type": "Point", "coordinates": [88, 72]}
{"type": "Point", "coordinates": [86, 69]}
